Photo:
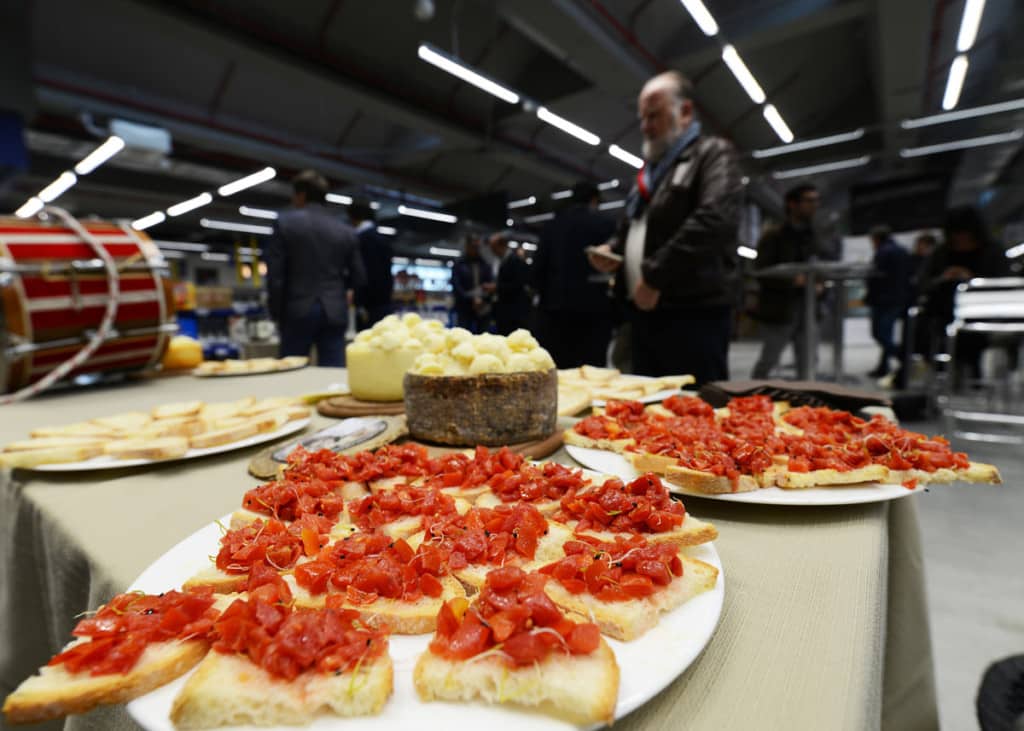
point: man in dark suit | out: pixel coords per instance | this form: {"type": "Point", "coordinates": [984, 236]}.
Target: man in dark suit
{"type": "Point", "coordinates": [472, 281]}
{"type": "Point", "coordinates": [575, 301]}
{"type": "Point", "coordinates": [780, 310]}
{"type": "Point", "coordinates": [313, 263]}
{"type": "Point", "coordinates": [373, 300]}
{"type": "Point", "coordinates": [676, 245]}
{"type": "Point", "coordinates": [889, 294]}
{"type": "Point", "coordinates": [511, 287]}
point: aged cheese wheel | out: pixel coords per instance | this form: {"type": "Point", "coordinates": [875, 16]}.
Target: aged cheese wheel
{"type": "Point", "coordinates": [491, 408]}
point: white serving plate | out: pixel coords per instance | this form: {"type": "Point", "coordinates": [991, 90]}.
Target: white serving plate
{"type": "Point", "coordinates": [615, 464]}
{"type": "Point", "coordinates": [647, 665]}
{"type": "Point", "coordinates": [106, 462]}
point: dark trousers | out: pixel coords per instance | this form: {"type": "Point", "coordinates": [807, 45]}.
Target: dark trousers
{"type": "Point", "coordinates": [373, 315]}
{"type": "Point", "coordinates": [576, 338]}
{"type": "Point", "coordinates": [883, 323]}
{"type": "Point", "coordinates": [693, 340]}
{"type": "Point", "coordinates": [298, 335]}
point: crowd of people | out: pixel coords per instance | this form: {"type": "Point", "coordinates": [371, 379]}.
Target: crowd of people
{"type": "Point", "coordinates": [660, 283]}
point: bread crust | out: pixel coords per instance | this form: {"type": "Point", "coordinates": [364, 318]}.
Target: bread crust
{"type": "Point", "coordinates": [582, 689]}
{"type": "Point", "coordinates": [571, 436]}
{"type": "Point", "coordinates": [56, 692]}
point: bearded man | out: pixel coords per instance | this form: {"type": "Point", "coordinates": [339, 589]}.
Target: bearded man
{"type": "Point", "coordinates": [675, 247]}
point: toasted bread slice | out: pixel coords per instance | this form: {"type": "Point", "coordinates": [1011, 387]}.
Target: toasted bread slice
{"type": "Point", "coordinates": [293, 361]}
{"type": "Point", "coordinates": [573, 437]}
{"type": "Point", "coordinates": [81, 429]}
{"type": "Point", "coordinates": [692, 532]}
{"type": "Point", "coordinates": [598, 375]}
{"type": "Point", "coordinates": [687, 479]}
{"type": "Point", "coordinates": [177, 410]}
{"type": "Point", "coordinates": [404, 618]}
{"type": "Point", "coordinates": [227, 435]}
{"type": "Point", "coordinates": [830, 478]}
{"type": "Point", "coordinates": [297, 412]}
{"type": "Point", "coordinates": [227, 690]}
{"type": "Point", "coordinates": [224, 409]}
{"type": "Point", "coordinates": [131, 421]}
{"type": "Point", "coordinates": [185, 426]}
{"type": "Point", "coordinates": [582, 689]}
{"type": "Point", "coordinates": [572, 400]}
{"type": "Point", "coordinates": [156, 448]}
{"type": "Point", "coordinates": [51, 455]}
{"type": "Point", "coordinates": [629, 619]}
{"type": "Point", "coordinates": [268, 404]}
{"type": "Point", "coordinates": [269, 421]}
{"type": "Point", "coordinates": [978, 472]}
{"type": "Point", "coordinates": [55, 692]}
{"type": "Point", "coordinates": [26, 445]}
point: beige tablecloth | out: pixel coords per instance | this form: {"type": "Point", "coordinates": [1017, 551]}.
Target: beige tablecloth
{"type": "Point", "coordinates": [824, 624]}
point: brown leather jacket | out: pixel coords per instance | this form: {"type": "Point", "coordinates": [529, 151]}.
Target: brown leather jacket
{"type": "Point", "coordinates": [692, 221]}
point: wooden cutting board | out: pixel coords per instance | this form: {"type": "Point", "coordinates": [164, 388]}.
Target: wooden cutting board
{"type": "Point", "coordinates": [340, 407]}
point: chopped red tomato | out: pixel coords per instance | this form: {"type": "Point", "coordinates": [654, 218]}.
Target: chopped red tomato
{"type": "Point", "coordinates": [374, 511]}
{"type": "Point", "coordinates": [287, 642]}
{"type": "Point", "coordinates": [515, 619]}
{"type": "Point", "coordinates": [642, 506]}
{"type": "Point", "coordinates": [493, 536]}
{"type": "Point", "coordinates": [116, 636]}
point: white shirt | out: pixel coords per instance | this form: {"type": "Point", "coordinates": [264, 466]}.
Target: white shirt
{"type": "Point", "coordinates": [364, 225]}
{"type": "Point", "coordinates": [635, 253]}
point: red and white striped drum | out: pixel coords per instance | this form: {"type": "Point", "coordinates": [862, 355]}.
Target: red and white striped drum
{"type": "Point", "coordinates": [54, 291]}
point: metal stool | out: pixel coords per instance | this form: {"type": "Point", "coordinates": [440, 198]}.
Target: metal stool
{"type": "Point", "coordinates": [987, 409]}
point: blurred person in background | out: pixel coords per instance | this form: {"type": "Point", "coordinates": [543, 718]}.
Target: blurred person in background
{"type": "Point", "coordinates": [967, 251]}
{"type": "Point", "coordinates": [780, 313]}
{"type": "Point", "coordinates": [888, 295]}
{"type": "Point", "coordinates": [915, 335]}
{"type": "Point", "coordinates": [313, 266]}
{"type": "Point", "coordinates": [575, 303]}
{"type": "Point", "coordinates": [511, 286]}
{"type": "Point", "coordinates": [373, 300]}
{"type": "Point", "coordinates": [676, 244]}
{"type": "Point", "coordinates": [470, 274]}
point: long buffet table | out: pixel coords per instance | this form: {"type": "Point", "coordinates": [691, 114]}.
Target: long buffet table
{"type": "Point", "coordinates": [824, 623]}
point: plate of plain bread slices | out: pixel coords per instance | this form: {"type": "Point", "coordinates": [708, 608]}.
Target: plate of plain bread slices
{"type": "Point", "coordinates": [173, 431]}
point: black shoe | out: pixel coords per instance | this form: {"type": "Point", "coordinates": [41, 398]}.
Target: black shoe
{"type": "Point", "coordinates": [879, 371]}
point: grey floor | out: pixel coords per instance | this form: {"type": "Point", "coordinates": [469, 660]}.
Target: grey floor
{"type": "Point", "coordinates": [973, 545]}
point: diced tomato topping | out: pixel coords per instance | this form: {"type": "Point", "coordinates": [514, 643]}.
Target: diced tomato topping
{"type": "Point", "coordinates": [287, 642]}
{"type": "Point", "coordinates": [493, 536]}
{"type": "Point", "coordinates": [374, 511]}
{"type": "Point", "coordinates": [116, 636]}
{"type": "Point", "coordinates": [642, 506]}
{"type": "Point", "coordinates": [513, 617]}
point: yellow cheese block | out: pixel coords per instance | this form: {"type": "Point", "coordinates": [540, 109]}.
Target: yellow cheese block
{"type": "Point", "coordinates": [375, 374]}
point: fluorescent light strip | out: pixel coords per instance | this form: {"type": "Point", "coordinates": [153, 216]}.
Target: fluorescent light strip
{"type": "Point", "coordinates": [942, 118]}
{"type": "Point", "coordinates": [215, 256]}
{"type": "Point", "coordinates": [746, 252]}
{"type": "Point", "coordinates": [739, 69]}
{"type": "Point", "coordinates": [704, 20]}
{"type": "Point", "coordinates": [528, 246]}
{"type": "Point", "coordinates": [179, 245]}
{"type": "Point", "coordinates": [523, 202]}
{"type": "Point", "coordinates": [399, 260]}
{"type": "Point", "coordinates": [1014, 251]}
{"type": "Point", "coordinates": [609, 205]}
{"type": "Point", "coordinates": [261, 176]}
{"type": "Point", "coordinates": [539, 218]}
{"type": "Point", "coordinates": [771, 114]}
{"type": "Point", "coordinates": [440, 251]}
{"type": "Point", "coordinates": [203, 199]}
{"type": "Point", "coordinates": [546, 115]}
{"type": "Point", "coordinates": [387, 230]}
{"type": "Point", "coordinates": [809, 144]}
{"type": "Point", "coordinates": [827, 167]}
{"type": "Point", "coordinates": [258, 212]}
{"type": "Point", "coordinates": [341, 200]}
{"type": "Point", "coordinates": [29, 208]}
{"type": "Point", "coordinates": [428, 215]}
{"type": "Point", "coordinates": [100, 155]}
{"type": "Point", "coordinates": [955, 82]}
{"type": "Point", "coordinates": [141, 224]}
{"type": "Point", "coordinates": [458, 69]}
{"type": "Point", "coordinates": [429, 262]}
{"type": "Point", "coordinates": [625, 156]}
{"type": "Point", "coordinates": [58, 187]}
{"type": "Point", "coordinates": [969, 24]}
{"type": "Point", "coordinates": [963, 144]}
{"type": "Point", "coordinates": [561, 195]}
{"type": "Point", "coordinates": [245, 228]}
{"type": "Point", "coordinates": [608, 184]}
